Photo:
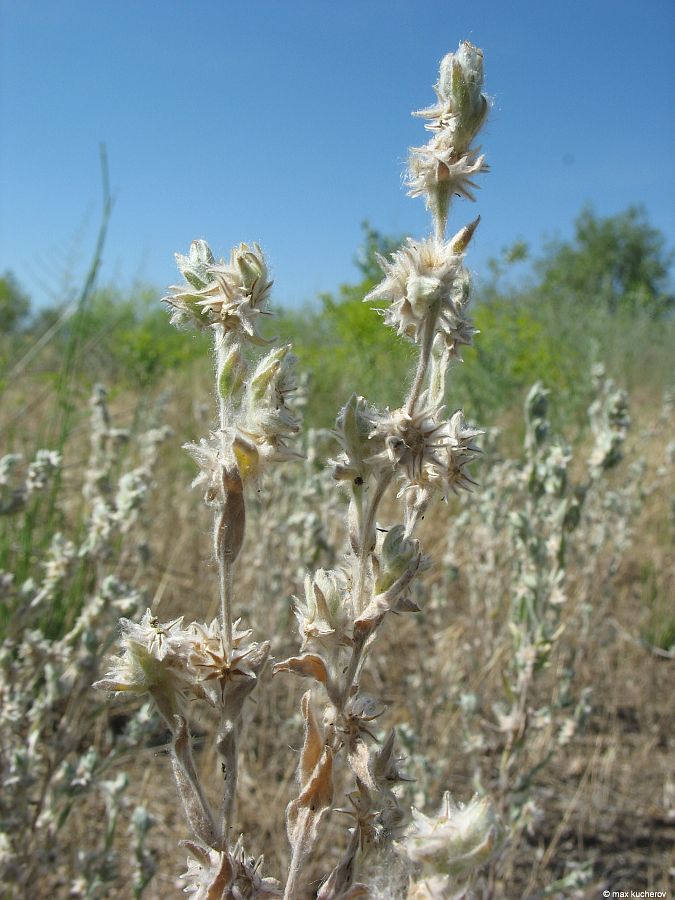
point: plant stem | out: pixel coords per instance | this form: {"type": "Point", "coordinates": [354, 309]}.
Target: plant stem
{"type": "Point", "coordinates": [226, 578]}
{"type": "Point", "coordinates": [425, 354]}
{"type": "Point", "coordinates": [297, 859]}
{"type": "Point", "coordinates": [366, 530]}
{"type": "Point", "coordinates": [228, 748]}
{"type": "Point", "coordinates": [359, 605]}
{"type": "Point", "coordinates": [225, 565]}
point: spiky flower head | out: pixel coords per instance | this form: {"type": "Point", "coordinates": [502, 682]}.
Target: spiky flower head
{"type": "Point", "coordinates": [435, 171]}
{"type": "Point", "coordinates": [223, 676]}
{"type": "Point", "coordinates": [425, 450]}
{"type": "Point", "coordinates": [448, 163]}
{"type": "Point", "coordinates": [458, 839]}
{"type": "Point", "coordinates": [427, 278]}
{"type": "Point", "coordinates": [214, 874]}
{"type": "Point", "coordinates": [232, 295]}
{"type": "Point", "coordinates": [151, 661]}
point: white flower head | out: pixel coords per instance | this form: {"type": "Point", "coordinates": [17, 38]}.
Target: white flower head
{"type": "Point", "coordinates": [427, 451]}
{"type": "Point", "coordinates": [458, 839]}
{"type": "Point", "coordinates": [435, 171]}
{"type": "Point", "coordinates": [151, 661]}
{"type": "Point", "coordinates": [423, 277]}
{"type": "Point", "coordinates": [232, 295]}
{"type": "Point", "coordinates": [236, 874]}
{"type": "Point", "coordinates": [221, 675]}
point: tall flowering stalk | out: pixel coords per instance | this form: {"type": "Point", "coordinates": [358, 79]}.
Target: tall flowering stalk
{"type": "Point", "coordinates": [417, 449]}
{"type": "Point", "coordinates": [425, 454]}
{"type": "Point", "coordinates": [217, 662]}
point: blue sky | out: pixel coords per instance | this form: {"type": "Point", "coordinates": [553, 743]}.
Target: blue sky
{"type": "Point", "coordinates": [288, 122]}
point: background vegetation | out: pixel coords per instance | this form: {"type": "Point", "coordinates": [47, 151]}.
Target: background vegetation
{"type": "Point", "coordinates": [604, 296]}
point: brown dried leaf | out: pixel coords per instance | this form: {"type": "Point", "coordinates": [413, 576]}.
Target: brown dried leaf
{"type": "Point", "coordinates": [304, 814]}
{"type": "Point", "coordinates": [219, 889]}
{"type": "Point", "coordinates": [313, 744]}
{"type": "Point", "coordinates": [338, 885]}
{"type": "Point", "coordinates": [231, 524]}
{"type": "Point", "coordinates": [308, 665]}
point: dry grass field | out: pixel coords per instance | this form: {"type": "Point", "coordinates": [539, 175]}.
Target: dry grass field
{"type": "Point", "coordinates": [594, 808]}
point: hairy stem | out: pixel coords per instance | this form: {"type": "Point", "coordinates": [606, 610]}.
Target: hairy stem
{"type": "Point", "coordinates": [366, 531]}
{"type": "Point", "coordinates": [226, 578]}
{"type": "Point", "coordinates": [228, 749]}
{"type": "Point", "coordinates": [297, 859]}
{"type": "Point", "coordinates": [425, 354]}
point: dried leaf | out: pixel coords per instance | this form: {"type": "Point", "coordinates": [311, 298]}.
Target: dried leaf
{"type": "Point", "coordinates": [219, 889]}
{"type": "Point", "coordinates": [304, 814]}
{"type": "Point", "coordinates": [308, 665]}
{"type": "Point", "coordinates": [338, 885]}
{"type": "Point", "coordinates": [231, 524]}
{"type": "Point", "coordinates": [313, 744]}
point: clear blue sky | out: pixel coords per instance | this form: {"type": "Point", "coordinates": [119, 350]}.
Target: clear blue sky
{"type": "Point", "coordinates": [288, 122]}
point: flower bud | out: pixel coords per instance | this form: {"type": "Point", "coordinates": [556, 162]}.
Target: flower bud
{"type": "Point", "coordinates": [325, 614]}
{"type": "Point", "coordinates": [353, 428]}
{"type": "Point", "coordinates": [266, 371]}
{"type": "Point", "coordinates": [460, 83]}
{"type": "Point", "coordinates": [461, 240]}
{"type": "Point", "coordinates": [231, 375]}
{"type": "Point", "coordinates": [249, 264]}
{"type": "Point", "coordinates": [397, 553]}
{"type": "Point", "coordinates": [195, 267]}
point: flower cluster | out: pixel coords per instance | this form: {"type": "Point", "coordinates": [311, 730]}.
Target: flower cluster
{"type": "Point", "coordinates": [457, 839]}
{"type": "Point", "coordinates": [428, 278]}
{"type": "Point", "coordinates": [233, 295]}
{"type": "Point", "coordinates": [173, 662]}
{"type": "Point", "coordinates": [447, 164]}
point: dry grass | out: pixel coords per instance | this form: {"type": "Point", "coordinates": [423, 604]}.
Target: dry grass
{"type": "Point", "coordinates": [606, 798]}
